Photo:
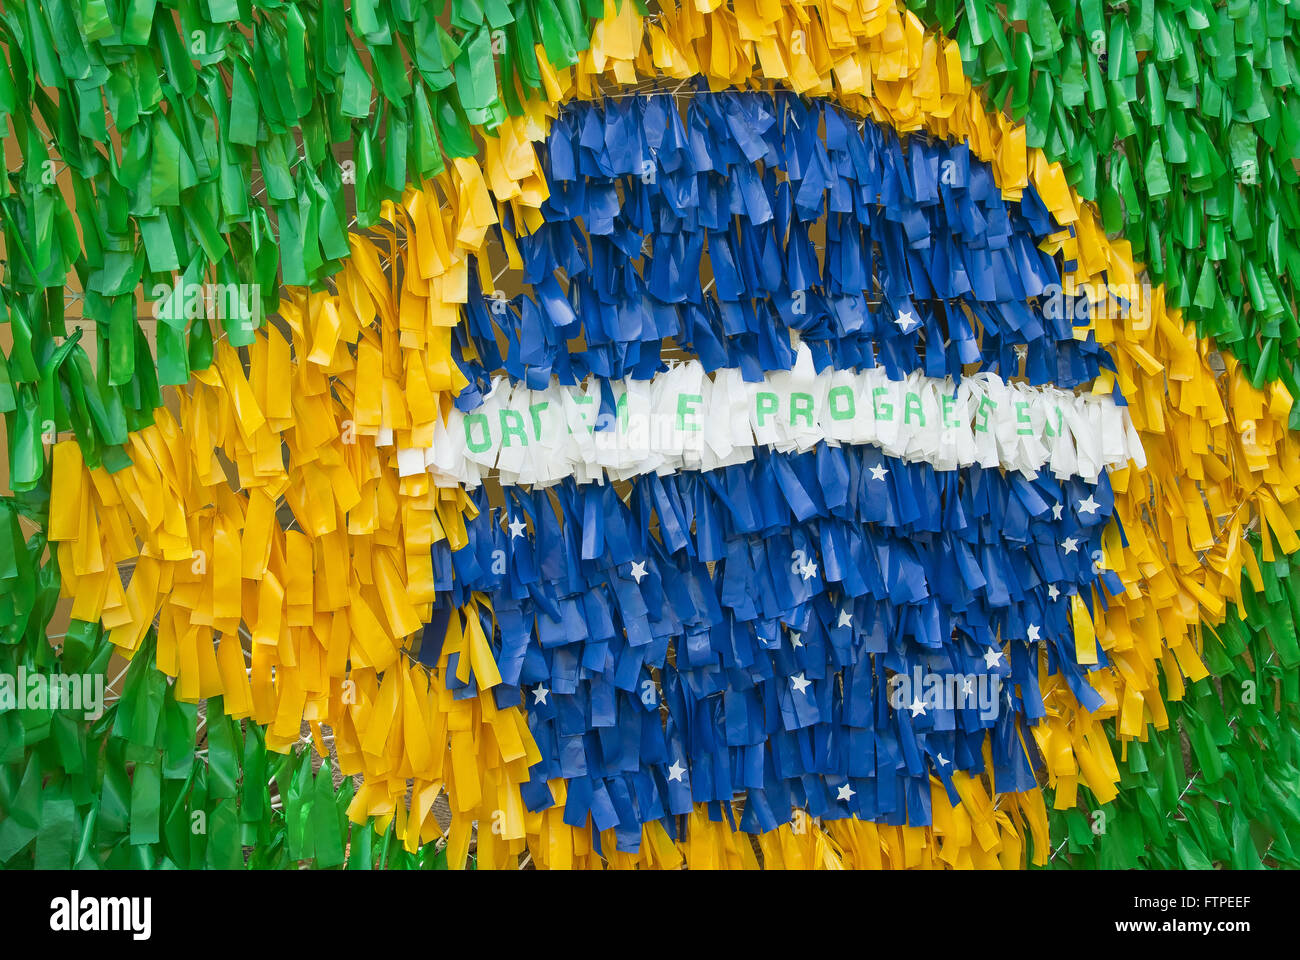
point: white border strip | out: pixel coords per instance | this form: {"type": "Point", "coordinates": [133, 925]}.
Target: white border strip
{"type": "Point", "coordinates": [685, 419]}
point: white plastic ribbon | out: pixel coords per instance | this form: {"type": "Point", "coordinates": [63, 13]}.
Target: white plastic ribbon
{"type": "Point", "coordinates": [685, 419]}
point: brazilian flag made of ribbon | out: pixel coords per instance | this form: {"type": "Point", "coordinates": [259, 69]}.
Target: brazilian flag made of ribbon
{"type": "Point", "coordinates": [612, 434]}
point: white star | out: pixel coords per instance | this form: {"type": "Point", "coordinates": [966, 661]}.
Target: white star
{"type": "Point", "coordinates": [800, 684]}
{"type": "Point", "coordinates": [638, 571]}
{"type": "Point", "coordinates": [905, 321]}
{"type": "Point", "coordinates": [1056, 511]}
{"type": "Point", "coordinates": [846, 619]}
{"type": "Point", "coordinates": [675, 771]}
{"type": "Point", "coordinates": [517, 528]}
{"type": "Point", "coordinates": [1052, 592]}
{"type": "Point", "coordinates": [878, 473]}
{"type": "Point", "coordinates": [1022, 351]}
{"type": "Point", "coordinates": [917, 706]}
{"type": "Point", "coordinates": [539, 693]}
{"type": "Point", "coordinates": [943, 761]}
{"type": "Point", "coordinates": [796, 639]}
{"type": "Point", "coordinates": [808, 570]}
{"type": "Point", "coordinates": [1070, 544]}
{"type": "Point", "coordinates": [966, 687]}
{"type": "Point", "coordinates": [1033, 632]}
{"type": "Point", "coordinates": [1088, 506]}
{"type": "Point", "coordinates": [992, 658]}
{"type": "Point", "coordinates": [845, 793]}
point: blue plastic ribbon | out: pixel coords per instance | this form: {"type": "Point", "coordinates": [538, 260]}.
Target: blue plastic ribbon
{"type": "Point", "coordinates": [826, 581]}
{"type": "Point", "coordinates": [907, 227]}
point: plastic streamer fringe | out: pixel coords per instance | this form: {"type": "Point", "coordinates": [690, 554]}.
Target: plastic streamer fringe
{"type": "Point", "coordinates": [330, 605]}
